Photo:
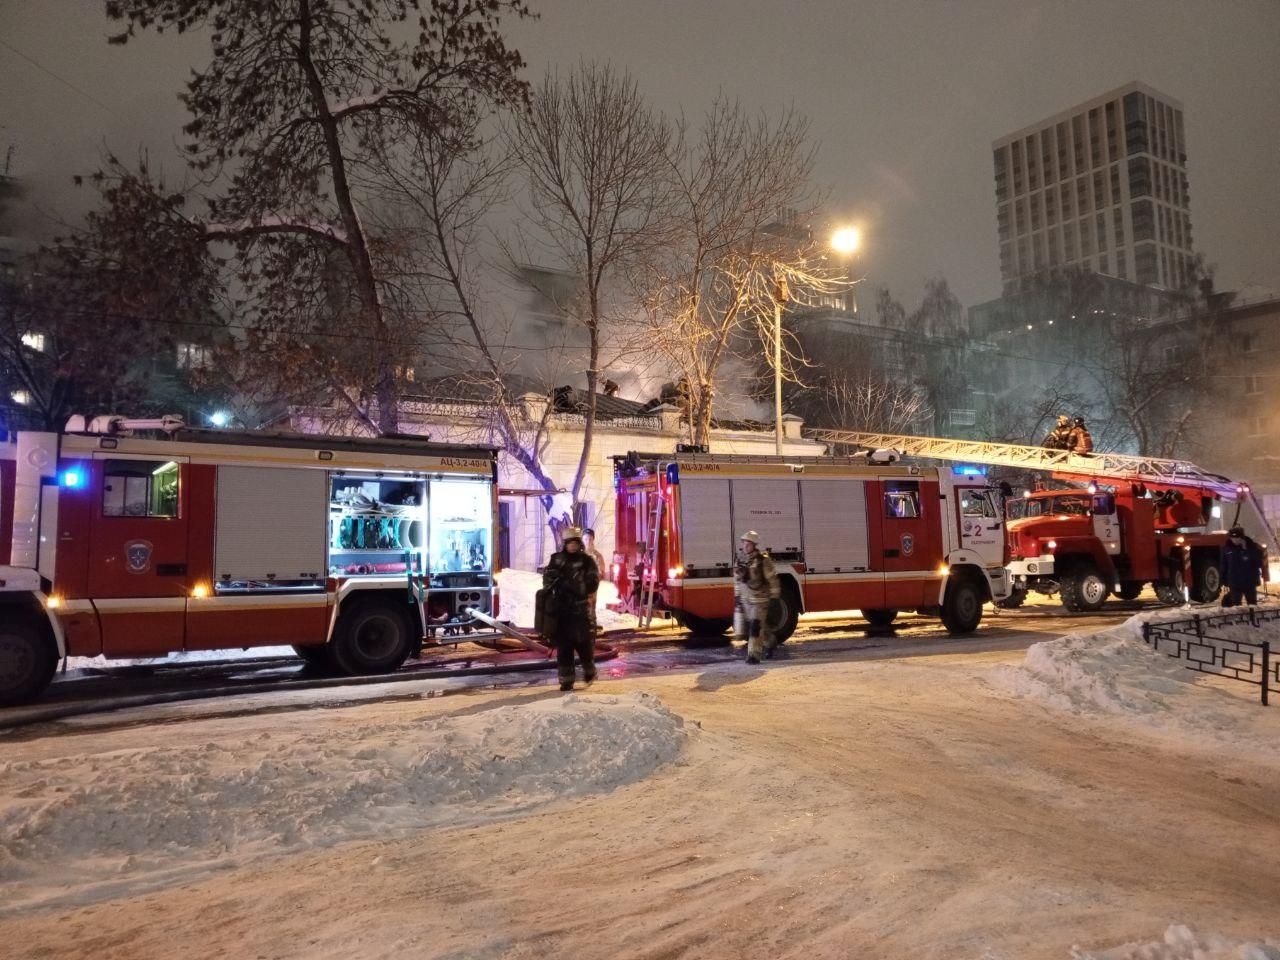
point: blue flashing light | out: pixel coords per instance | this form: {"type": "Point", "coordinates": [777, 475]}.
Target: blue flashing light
{"type": "Point", "coordinates": [673, 473]}
{"type": "Point", "coordinates": [72, 479]}
{"type": "Point", "coordinates": [967, 470]}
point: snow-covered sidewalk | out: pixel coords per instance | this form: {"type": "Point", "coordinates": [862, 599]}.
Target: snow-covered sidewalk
{"type": "Point", "coordinates": [84, 826]}
{"type": "Point", "coordinates": [1114, 673]}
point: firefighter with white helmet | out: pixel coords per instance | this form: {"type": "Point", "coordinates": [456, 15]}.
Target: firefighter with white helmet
{"type": "Point", "coordinates": [569, 581]}
{"type": "Point", "coordinates": [758, 586]}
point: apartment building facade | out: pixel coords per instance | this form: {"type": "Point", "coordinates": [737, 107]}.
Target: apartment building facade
{"type": "Point", "coordinates": [1102, 186]}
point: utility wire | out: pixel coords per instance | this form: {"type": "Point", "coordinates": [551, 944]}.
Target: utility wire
{"type": "Point", "coordinates": [63, 80]}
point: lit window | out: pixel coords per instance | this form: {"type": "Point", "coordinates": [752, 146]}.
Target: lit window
{"type": "Point", "coordinates": [35, 341]}
{"type": "Point", "coordinates": [194, 356]}
{"type": "Point", "coordinates": [21, 397]}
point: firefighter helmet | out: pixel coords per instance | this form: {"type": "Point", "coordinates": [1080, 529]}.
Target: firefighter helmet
{"type": "Point", "coordinates": [570, 533]}
{"type": "Point", "coordinates": [750, 535]}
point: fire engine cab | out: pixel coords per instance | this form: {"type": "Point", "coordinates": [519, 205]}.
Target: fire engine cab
{"type": "Point", "coordinates": [140, 538]}
{"type": "Point", "coordinates": [845, 533]}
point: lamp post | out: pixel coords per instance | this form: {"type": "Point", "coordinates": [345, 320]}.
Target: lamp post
{"type": "Point", "coordinates": [780, 296]}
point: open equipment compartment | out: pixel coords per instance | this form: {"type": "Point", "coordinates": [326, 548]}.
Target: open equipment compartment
{"type": "Point", "coordinates": [376, 521]}
{"type": "Point", "coordinates": [460, 533]}
{"type": "Point", "coordinates": [436, 532]}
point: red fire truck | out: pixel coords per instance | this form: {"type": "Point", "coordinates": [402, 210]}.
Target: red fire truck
{"type": "Point", "coordinates": [140, 538]}
{"type": "Point", "coordinates": [1085, 544]}
{"type": "Point", "coordinates": [845, 532]}
{"type": "Point", "coordinates": [1118, 523]}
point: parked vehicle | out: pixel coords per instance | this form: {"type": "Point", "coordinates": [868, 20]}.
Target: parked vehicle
{"type": "Point", "coordinates": [844, 532]}
{"type": "Point", "coordinates": [1085, 545]}
{"type": "Point", "coordinates": [142, 538]}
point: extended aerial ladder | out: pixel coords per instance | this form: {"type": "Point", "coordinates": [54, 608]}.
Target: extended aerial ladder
{"type": "Point", "coordinates": [1154, 472]}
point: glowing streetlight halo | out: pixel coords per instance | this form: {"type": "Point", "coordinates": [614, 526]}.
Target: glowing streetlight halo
{"type": "Point", "coordinates": [845, 240]}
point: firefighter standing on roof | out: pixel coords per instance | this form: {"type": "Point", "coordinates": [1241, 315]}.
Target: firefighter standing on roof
{"type": "Point", "coordinates": [758, 579]}
{"type": "Point", "coordinates": [570, 580]}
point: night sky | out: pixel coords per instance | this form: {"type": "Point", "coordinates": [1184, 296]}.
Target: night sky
{"type": "Point", "coordinates": [905, 98]}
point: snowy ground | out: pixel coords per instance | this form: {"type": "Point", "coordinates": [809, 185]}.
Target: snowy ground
{"type": "Point", "coordinates": [907, 801]}
{"type": "Point", "coordinates": [1114, 673]}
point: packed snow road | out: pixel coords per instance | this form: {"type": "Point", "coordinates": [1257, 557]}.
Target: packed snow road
{"type": "Point", "coordinates": [905, 796]}
{"type": "Point", "coordinates": [99, 685]}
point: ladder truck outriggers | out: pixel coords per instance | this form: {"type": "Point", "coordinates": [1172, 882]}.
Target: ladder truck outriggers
{"type": "Point", "coordinates": [138, 538]}
{"type": "Point", "coordinates": [846, 533]}
{"type": "Point", "coordinates": [1124, 521]}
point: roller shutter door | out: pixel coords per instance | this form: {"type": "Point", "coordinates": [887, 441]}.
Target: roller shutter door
{"type": "Point", "coordinates": [272, 523]}
{"type": "Point", "coordinates": [705, 528]}
{"type": "Point", "coordinates": [772, 509]}
{"type": "Point", "coordinates": [835, 525]}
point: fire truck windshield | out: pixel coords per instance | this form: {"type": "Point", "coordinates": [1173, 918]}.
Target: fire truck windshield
{"type": "Point", "coordinates": [1069, 504]}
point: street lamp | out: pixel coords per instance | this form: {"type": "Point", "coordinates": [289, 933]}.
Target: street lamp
{"type": "Point", "coordinates": [844, 241]}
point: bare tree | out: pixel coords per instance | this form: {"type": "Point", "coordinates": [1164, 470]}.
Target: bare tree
{"type": "Point", "coordinates": [448, 184]}
{"type": "Point", "coordinates": [737, 243]}
{"type": "Point", "coordinates": [299, 102]}
{"type": "Point", "coordinates": [593, 154]}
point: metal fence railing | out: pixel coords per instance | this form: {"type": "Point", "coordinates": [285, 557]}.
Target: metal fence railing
{"type": "Point", "coordinates": [1198, 642]}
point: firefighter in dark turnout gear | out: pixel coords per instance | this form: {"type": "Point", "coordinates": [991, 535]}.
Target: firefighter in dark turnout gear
{"type": "Point", "coordinates": [570, 579]}
{"type": "Point", "coordinates": [1079, 439]}
{"type": "Point", "coordinates": [1243, 568]}
{"type": "Point", "coordinates": [1059, 437]}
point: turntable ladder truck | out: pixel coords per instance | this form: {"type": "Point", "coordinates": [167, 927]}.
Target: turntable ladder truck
{"type": "Point", "coordinates": [1130, 521]}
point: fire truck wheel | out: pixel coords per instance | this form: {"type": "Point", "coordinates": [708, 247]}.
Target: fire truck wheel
{"type": "Point", "coordinates": [371, 637]}
{"type": "Point", "coordinates": [1206, 579]}
{"type": "Point", "coordinates": [27, 661]}
{"type": "Point", "coordinates": [1084, 589]}
{"type": "Point", "coordinates": [1129, 589]}
{"type": "Point", "coordinates": [880, 619]}
{"type": "Point", "coordinates": [1169, 592]}
{"type": "Point", "coordinates": [318, 657]}
{"type": "Point", "coordinates": [962, 609]}
{"type": "Point", "coordinates": [705, 626]}
{"type": "Point", "coordinates": [786, 613]}
{"type": "Point", "coordinates": [1016, 598]}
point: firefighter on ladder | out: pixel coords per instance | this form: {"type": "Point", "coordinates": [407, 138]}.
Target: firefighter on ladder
{"type": "Point", "coordinates": [759, 587]}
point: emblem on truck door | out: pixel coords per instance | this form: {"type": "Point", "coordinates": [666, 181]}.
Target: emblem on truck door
{"type": "Point", "coordinates": [137, 556]}
{"type": "Point", "coordinates": [908, 544]}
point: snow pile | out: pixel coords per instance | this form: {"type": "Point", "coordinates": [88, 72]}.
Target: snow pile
{"type": "Point", "coordinates": [81, 827]}
{"type": "Point", "coordinates": [1114, 672]}
{"type": "Point", "coordinates": [519, 587]}
{"type": "Point", "coordinates": [1183, 943]}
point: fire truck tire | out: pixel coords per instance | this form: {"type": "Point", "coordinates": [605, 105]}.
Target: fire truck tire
{"type": "Point", "coordinates": [1169, 592]}
{"type": "Point", "coordinates": [962, 608]}
{"type": "Point", "coordinates": [1083, 589]}
{"type": "Point", "coordinates": [318, 656]}
{"type": "Point", "coordinates": [706, 626]}
{"type": "Point", "coordinates": [1129, 589]}
{"type": "Point", "coordinates": [1016, 598]}
{"type": "Point", "coordinates": [786, 613]}
{"type": "Point", "coordinates": [27, 661]}
{"type": "Point", "coordinates": [370, 637]}
{"type": "Point", "coordinates": [880, 619]}
{"type": "Point", "coordinates": [1206, 579]}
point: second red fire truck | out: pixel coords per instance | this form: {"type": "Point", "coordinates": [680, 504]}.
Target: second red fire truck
{"type": "Point", "coordinates": [846, 533]}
